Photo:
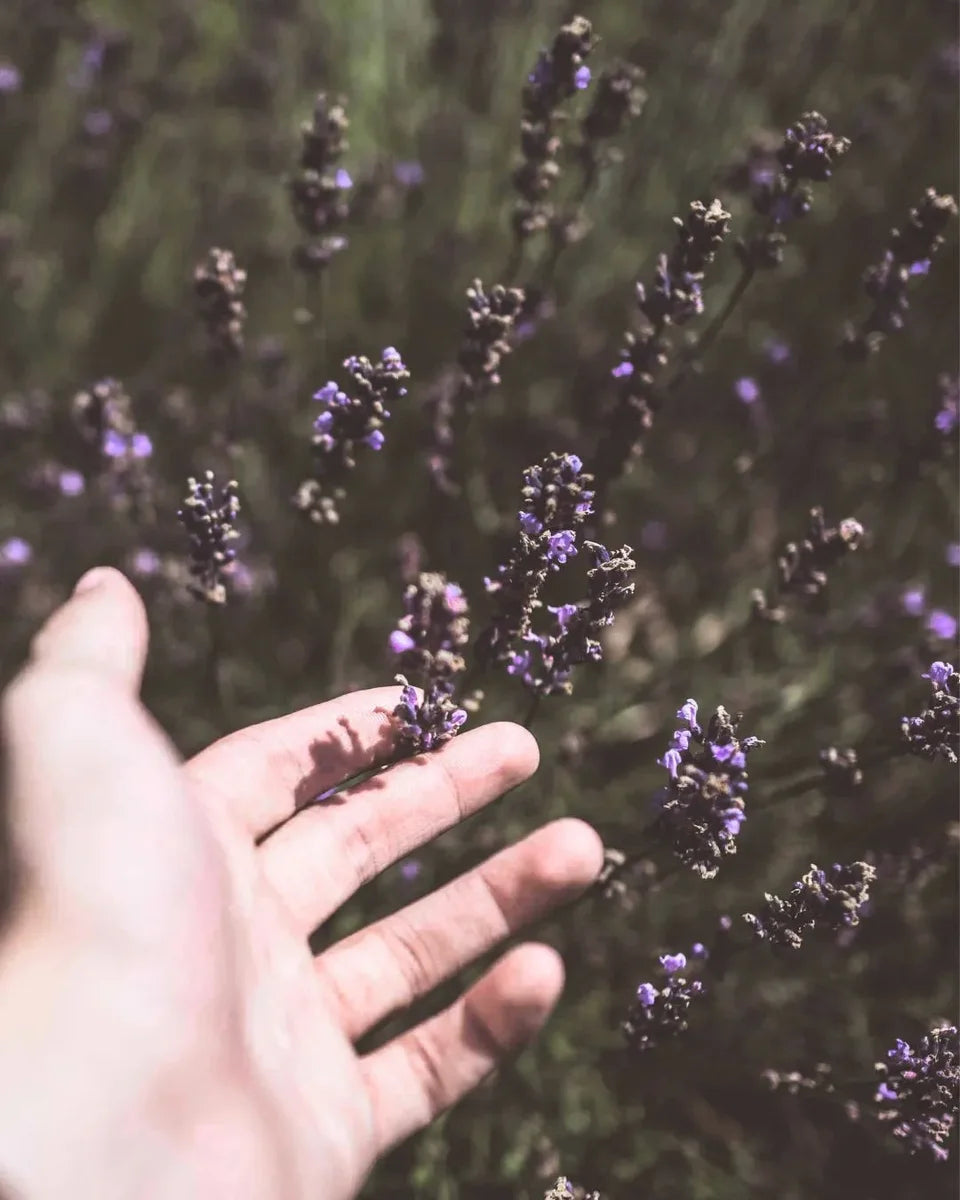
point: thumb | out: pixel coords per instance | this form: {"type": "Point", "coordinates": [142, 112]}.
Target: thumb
{"type": "Point", "coordinates": [102, 628]}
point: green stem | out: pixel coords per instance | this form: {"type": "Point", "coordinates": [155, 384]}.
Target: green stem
{"type": "Point", "coordinates": [214, 673]}
{"type": "Point", "coordinates": [532, 709]}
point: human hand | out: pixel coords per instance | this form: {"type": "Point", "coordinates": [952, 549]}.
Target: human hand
{"type": "Point", "coordinates": [164, 1028]}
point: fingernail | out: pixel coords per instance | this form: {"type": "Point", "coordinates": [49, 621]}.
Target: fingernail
{"type": "Point", "coordinates": [90, 580]}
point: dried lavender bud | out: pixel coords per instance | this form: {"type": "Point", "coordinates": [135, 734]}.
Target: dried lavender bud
{"type": "Point", "coordinates": [319, 190]}
{"type": "Point", "coordinates": [935, 733]}
{"type": "Point", "coordinates": [211, 526]}
{"type": "Point", "coordinates": [559, 73]}
{"type": "Point", "coordinates": [818, 900]}
{"type": "Point", "coordinates": [808, 155]}
{"type": "Point", "coordinates": [703, 807]}
{"type": "Point", "coordinates": [657, 1014]}
{"type": "Point", "coordinates": [674, 298]}
{"type": "Point", "coordinates": [433, 630]}
{"type": "Point", "coordinates": [802, 568]}
{"type": "Point", "coordinates": [490, 320]}
{"type": "Point", "coordinates": [918, 1091]}
{"type": "Point", "coordinates": [424, 725]}
{"type": "Point", "coordinates": [842, 770]}
{"type": "Point", "coordinates": [545, 662]}
{"type": "Point", "coordinates": [908, 256]}
{"type": "Point", "coordinates": [218, 283]}
{"type": "Point", "coordinates": [347, 422]}
{"type": "Point", "coordinates": [557, 497]}
{"type": "Point", "coordinates": [948, 415]}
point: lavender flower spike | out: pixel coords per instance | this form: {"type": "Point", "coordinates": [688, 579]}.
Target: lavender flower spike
{"type": "Point", "coordinates": [702, 807]}
{"type": "Point", "coordinates": [832, 899]}
{"type": "Point", "coordinates": [661, 1013]}
{"type": "Point", "coordinates": [935, 733]}
{"type": "Point", "coordinates": [211, 527]}
{"type": "Point", "coordinates": [434, 629]}
{"type": "Point", "coordinates": [346, 422]}
{"type": "Point", "coordinates": [218, 284]}
{"type": "Point", "coordinates": [425, 725]}
{"type": "Point", "coordinates": [918, 1091]}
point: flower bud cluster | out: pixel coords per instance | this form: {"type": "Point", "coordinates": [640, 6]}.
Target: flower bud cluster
{"type": "Point", "coordinates": [559, 73]}
{"type": "Point", "coordinates": [907, 257]}
{"type": "Point", "coordinates": [821, 899]}
{"type": "Point", "coordinates": [809, 154]}
{"type": "Point", "coordinates": [210, 523]}
{"type": "Point", "coordinates": [557, 497]}
{"type": "Point", "coordinates": [658, 1014]}
{"type": "Point", "coordinates": [346, 422]}
{"type": "Point", "coordinates": [319, 191]}
{"type": "Point", "coordinates": [218, 284]}
{"type": "Point", "coordinates": [935, 733]}
{"type": "Point", "coordinates": [702, 808]}
{"type": "Point", "coordinates": [802, 566]}
{"type": "Point", "coordinates": [918, 1090]}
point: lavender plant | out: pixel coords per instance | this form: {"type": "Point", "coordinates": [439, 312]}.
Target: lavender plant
{"type": "Point", "coordinates": [702, 807]}
{"type": "Point", "coordinates": [802, 566]}
{"type": "Point", "coordinates": [658, 1014]}
{"type": "Point", "coordinates": [674, 298]}
{"type": "Point", "coordinates": [821, 899]}
{"type": "Point", "coordinates": [917, 1090]}
{"type": "Point", "coordinates": [210, 524]}
{"type": "Point", "coordinates": [909, 254]}
{"type": "Point", "coordinates": [559, 73]}
{"type": "Point", "coordinates": [935, 733]}
{"type": "Point", "coordinates": [319, 190]}
{"type": "Point", "coordinates": [345, 423]}
{"type": "Point", "coordinates": [218, 284]}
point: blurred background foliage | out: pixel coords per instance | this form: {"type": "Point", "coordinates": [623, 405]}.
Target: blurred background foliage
{"type": "Point", "coordinates": [195, 129]}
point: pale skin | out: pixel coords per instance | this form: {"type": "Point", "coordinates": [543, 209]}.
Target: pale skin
{"type": "Point", "coordinates": [165, 1031]}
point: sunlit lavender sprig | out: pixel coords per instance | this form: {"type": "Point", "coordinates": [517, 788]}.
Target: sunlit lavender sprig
{"type": "Point", "coordinates": [491, 316]}
{"type": "Point", "coordinates": [660, 1013]}
{"type": "Point", "coordinates": [557, 497]}
{"type": "Point", "coordinates": [809, 154]}
{"type": "Point", "coordinates": [103, 414]}
{"type": "Point", "coordinates": [702, 808]}
{"type": "Point", "coordinates": [820, 900]}
{"type": "Point", "coordinates": [907, 257]}
{"type": "Point", "coordinates": [558, 74]}
{"type": "Point", "coordinates": [918, 1090]}
{"type": "Point", "coordinates": [545, 662]}
{"type": "Point", "coordinates": [673, 298]}
{"type": "Point", "coordinates": [218, 284]}
{"type": "Point", "coordinates": [347, 422]}
{"type": "Point", "coordinates": [802, 566]}
{"type": "Point", "coordinates": [319, 191]}
{"type": "Point", "coordinates": [433, 630]}
{"type": "Point", "coordinates": [935, 733]}
{"type": "Point", "coordinates": [210, 523]}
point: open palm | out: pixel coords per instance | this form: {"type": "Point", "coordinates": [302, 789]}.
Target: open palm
{"type": "Point", "coordinates": [158, 995]}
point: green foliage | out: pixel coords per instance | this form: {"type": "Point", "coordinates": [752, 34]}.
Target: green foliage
{"type": "Point", "coordinates": [98, 240]}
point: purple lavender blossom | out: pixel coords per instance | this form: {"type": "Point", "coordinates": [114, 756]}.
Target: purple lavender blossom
{"type": "Point", "coordinates": [434, 629]}
{"type": "Point", "coordinates": [942, 624]}
{"type": "Point", "coordinates": [145, 561]}
{"type": "Point", "coordinates": [913, 601]}
{"type": "Point", "coordinates": [747, 390]}
{"type": "Point", "coordinates": [71, 483]}
{"type": "Point", "coordinates": [15, 552]}
{"type": "Point", "coordinates": [918, 1091]}
{"type": "Point", "coordinates": [821, 899]}
{"type": "Point", "coordinates": [427, 724]}
{"type": "Point", "coordinates": [658, 1014]}
{"type": "Point", "coordinates": [953, 554]}
{"type": "Point", "coordinates": [935, 733]}
{"type": "Point", "coordinates": [802, 566]}
{"type": "Point", "coordinates": [556, 499]}
{"type": "Point", "coordinates": [777, 351]}
{"type": "Point", "coordinates": [318, 190]}
{"type": "Point", "coordinates": [702, 808]}
{"type": "Point", "coordinates": [948, 415]}
{"type": "Point", "coordinates": [345, 422]}
{"type": "Point", "coordinates": [10, 79]}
